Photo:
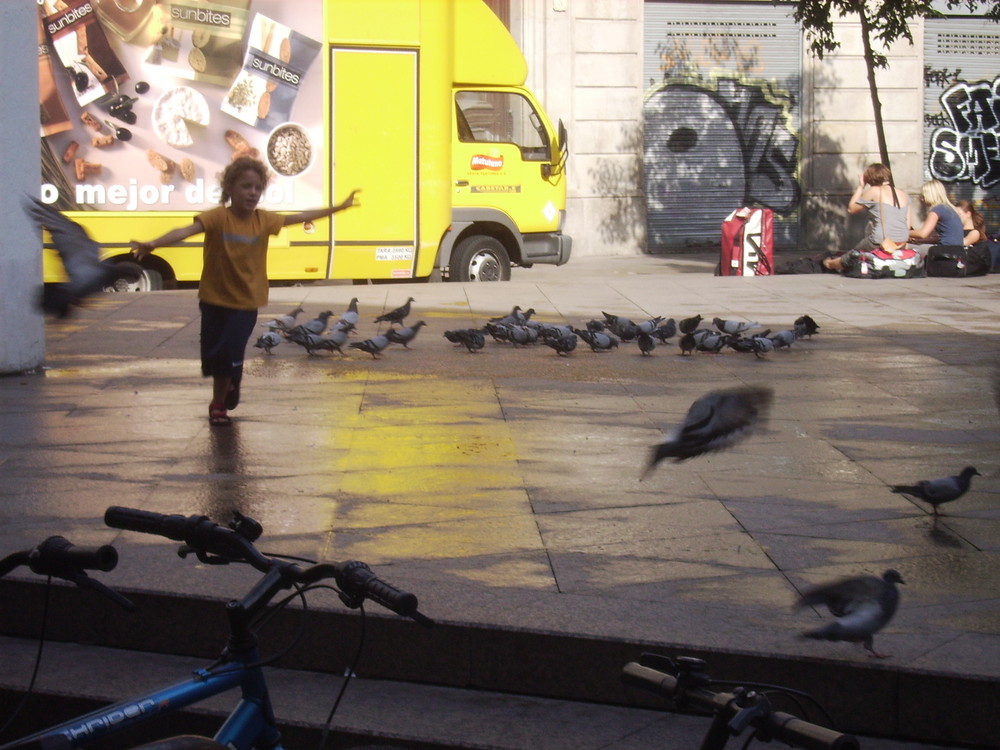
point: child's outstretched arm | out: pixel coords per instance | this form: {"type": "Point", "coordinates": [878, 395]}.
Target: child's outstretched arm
{"type": "Point", "coordinates": [141, 249]}
{"type": "Point", "coordinates": [319, 213]}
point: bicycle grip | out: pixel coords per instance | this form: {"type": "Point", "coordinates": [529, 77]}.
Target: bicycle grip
{"type": "Point", "coordinates": [651, 680]}
{"type": "Point", "coordinates": [58, 556]}
{"type": "Point", "coordinates": [148, 522]}
{"type": "Point", "coordinates": [358, 575]}
{"type": "Point", "coordinates": [800, 733]}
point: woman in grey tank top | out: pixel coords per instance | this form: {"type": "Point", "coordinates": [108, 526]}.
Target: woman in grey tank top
{"type": "Point", "coordinates": [888, 207]}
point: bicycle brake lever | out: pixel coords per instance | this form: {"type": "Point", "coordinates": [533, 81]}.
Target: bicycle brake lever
{"type": "Point", "coordinates": [185, 549]}
{"type": "Point", "coordinates": [753, 706]}
{"type": "Point", "coordinates": [84, 581]}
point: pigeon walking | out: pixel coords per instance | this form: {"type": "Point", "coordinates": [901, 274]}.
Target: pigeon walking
{"type": "Point", "coordinates": [268, 341]}
{"type": "Point", "coordinates": [348, 319]}
{"type": "Point", "coordinates": [81, 258]}
{"type": "Point", "coordinates": [397, 315]}
{"type": "Point", "coordinates": [598, 341]}
{"type": "Point", "coordinates": [734, 326]}
{"type": "Point", "coordinates": [862, 606]}
{"type": "Point", "coordinates": [688, 325]}
{"type": "Point", "coordinates": [665, 331]}
{"type": "Point", "coordinates": [316, 326]}
{"type": "Point", "coordinates": [805, 326]}
{"type": "Point", "coordinates": [938, 491]}
{"type": "Point", "coordinates": [374, 346]}
{"type": "Point", "coordinates": [283, 322]}
{"type": "Point", "coordinates": [646, 343]}
{"type": "Point", "coordinates": [471, 338]}
{"type": "Point", "coordinates": [562, 345]}
{"type": "Point", "coordinates": [717, 420]}
{"type": "Point", "coordinates": [405, 334]}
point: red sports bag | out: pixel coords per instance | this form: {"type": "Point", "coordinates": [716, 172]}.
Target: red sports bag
{"type": "Point", "coordinates": [747, 243]}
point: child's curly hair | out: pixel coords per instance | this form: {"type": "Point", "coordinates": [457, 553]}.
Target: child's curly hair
{"type": "Point", "coordinates": [234, 169]}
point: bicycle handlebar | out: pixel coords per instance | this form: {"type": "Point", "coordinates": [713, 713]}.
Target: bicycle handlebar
{"type": "Point", "coordinates": [355, 579]}
{"type": "Point", "coordinates": [771, 724]}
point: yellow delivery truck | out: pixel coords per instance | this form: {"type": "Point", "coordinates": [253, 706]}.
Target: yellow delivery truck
{"type": "Point", "coordinates": [420, 103]}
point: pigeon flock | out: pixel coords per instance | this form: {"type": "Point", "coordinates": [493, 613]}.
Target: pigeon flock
{"type": "Point", "coordinates": [326, 333]}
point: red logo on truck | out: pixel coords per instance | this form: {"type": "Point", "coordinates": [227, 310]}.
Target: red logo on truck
{"type": "Point", "coordinates": [481, 161]}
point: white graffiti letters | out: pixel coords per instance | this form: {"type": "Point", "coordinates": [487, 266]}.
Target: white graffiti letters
{"type": "Point", "coordinates": [969, 148]}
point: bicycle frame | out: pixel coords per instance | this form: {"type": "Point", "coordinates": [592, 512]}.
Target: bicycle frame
{"type": "Point", "coordinates": [251, 723]}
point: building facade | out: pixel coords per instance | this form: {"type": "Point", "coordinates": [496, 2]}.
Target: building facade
{"type": "Point", "coordinates": [680, 112]}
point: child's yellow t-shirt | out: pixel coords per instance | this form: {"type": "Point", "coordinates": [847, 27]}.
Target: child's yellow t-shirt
{"type": "Point", "coordinates": [234, 273]}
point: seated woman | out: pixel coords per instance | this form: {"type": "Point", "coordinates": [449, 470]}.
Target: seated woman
{"type": "Point", "coordinates": [943, 225]}
{"type": "Point", "coordinates": [973, 222]}
{"type": "Point", "coordinates": [888, 210]}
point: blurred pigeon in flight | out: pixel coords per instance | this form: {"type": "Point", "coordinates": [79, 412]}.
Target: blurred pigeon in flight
{"type": "Point", "coordinates": [717, 420]}
{"type": "Point", "coordinates": [397, 315]}
{"type": "Point", "coordinates": [862, 606]}
{"type": "Point", "coordinates": [81, 258]}
{"type": "Point", "coordinates": [938, 491]}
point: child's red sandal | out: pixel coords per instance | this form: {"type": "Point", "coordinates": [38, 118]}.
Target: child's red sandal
{"type": "Point", "coordinates": [217, 415]}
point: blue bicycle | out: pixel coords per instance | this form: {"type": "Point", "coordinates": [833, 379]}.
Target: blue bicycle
{"type": "Point", "coordinates": [252, 723]}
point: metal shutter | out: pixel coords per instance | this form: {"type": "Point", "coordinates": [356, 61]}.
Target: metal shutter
{"type": "Point", "coordinates": [962, 110]}
{"type": "Point", "coordinates": [721, 118]}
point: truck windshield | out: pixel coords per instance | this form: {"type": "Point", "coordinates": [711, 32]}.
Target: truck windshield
{"type": "Point", "coordinates": [501, 117]}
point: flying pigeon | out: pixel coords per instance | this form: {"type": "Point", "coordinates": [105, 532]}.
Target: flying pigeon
{"type": "Point", "coordinates": [734, 326]}
{"type": "Point", "coordinates": [397, 315]}
{"type": "Point", "coordinates": [80, 255]}
{"type": "Point", "coordinates": [715, 421]}
{"type": "Point", "coordinates": [862, 606]}
{"type": "Point", "coordinates": [688, 325]}
{"type": "Point", "coordinates": [268, 341]}
{"type": "Point", "coordinates": [805, 326]}
{"type": "Point", "coordinates": [938, 491]}
{"type": "Point", "coordinates": [470, 338]}
{"type": "Point", "coordinates": [404, 335]}
{"type": "Point", "coordinates": [373, 346]}
{"type": "Point", "coordinates": [283, 322]}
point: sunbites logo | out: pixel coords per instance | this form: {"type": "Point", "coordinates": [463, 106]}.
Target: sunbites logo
{"type": "Point", "coordinates": [492, 163]}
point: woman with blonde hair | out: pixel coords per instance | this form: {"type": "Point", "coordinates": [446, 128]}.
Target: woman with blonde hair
{"type": "Point", "coordinates": [943, 225]}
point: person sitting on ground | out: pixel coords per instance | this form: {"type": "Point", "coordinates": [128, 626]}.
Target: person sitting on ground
{"type": "Point", "coordinates": [973, 222]}
{"type": "Point", "coordinates": [888, 210]}
{"type": "Point", "coordinates": [943, 225]}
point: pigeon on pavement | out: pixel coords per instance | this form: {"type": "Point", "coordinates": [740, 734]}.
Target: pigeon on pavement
{"type": "Point", "coordinates": [316, 326]}
{"type": "Point", "coordinates": [805, 326]}
{"type": "Point", "coordinates": [688, 325]}
{"type": "Point", "coordinates": [374, 346]}
{"type": "Point", "coordinates": [665, 331]}
{"type": "Point", "coordinates": [646, 343]}
{"type": "Point", "coordinates": [81, 258]}
{"type": "Point", "coordinates": [734, 326]}
{"type": "Point", "coordinates": [397, 315]}
{"type": "Point", "coordinates": [283, 322]}
{"type": "Point", "coordinates": [862, 606]}
{"type": "Point", "coordinates": [405, 334]}
{"type": "Point", "coordinates": [562, 345]}
{"type": "Point", "coordinates": [715, 421]}
{"type": "Point", "coordinates": [471, 338]}
{"type": "Point", "coordinates": [598, 341]}
{"type": "Point", "coordinates": [938, 491]}
{"type": "Point", "coordinates": [348, 319]}
{"type": "Point", "coordinates": [268, 341]}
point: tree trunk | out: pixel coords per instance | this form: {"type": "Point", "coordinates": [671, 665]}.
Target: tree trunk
{"type": "Point", "coordinates": [866, 40]}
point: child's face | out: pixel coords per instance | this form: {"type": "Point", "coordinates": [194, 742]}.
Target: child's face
{"type": "Point", "coordinates": [247, 190]}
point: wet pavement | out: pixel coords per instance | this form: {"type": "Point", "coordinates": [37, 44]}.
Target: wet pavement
{"type": "Point", "coordinates": [503, 486]}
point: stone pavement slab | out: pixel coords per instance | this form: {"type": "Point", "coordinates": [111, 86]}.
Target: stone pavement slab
{"type": "Point", "coordinates": [503, 486]}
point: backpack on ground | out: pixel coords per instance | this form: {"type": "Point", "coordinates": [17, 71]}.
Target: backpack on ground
{"type": "Point", "coordinates": [956, 261]}
{"type": "Point", "coordinates": [747, 243]}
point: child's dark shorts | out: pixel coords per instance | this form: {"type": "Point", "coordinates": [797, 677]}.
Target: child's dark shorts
{"type": "Point", "coordinates": [224, 336]}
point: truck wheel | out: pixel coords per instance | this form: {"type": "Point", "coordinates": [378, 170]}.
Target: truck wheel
{"type": "Point", "coordinates": [479, 258]}
{"type": "Point", "coordinates": [148, 280]}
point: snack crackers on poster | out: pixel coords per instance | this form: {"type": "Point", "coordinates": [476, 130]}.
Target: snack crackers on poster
{"type": "Point", "coordinates": [82, 48]}
{"type": "Point", "coordinates": [276, 61]}
{"type": "Point", "coordinates": [54, 118]}
{"type": "Point", "coordinates": [201, 41]}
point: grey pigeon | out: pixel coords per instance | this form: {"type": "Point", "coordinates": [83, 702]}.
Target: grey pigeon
{"type": "Point", "coordinates": [665, 331]}
{"type": "Point", "coordinates": [397, 315]}
{"type": "Point", "coordinates": [316, 342]}
{"type": "Point", "coordinates": [648, 326]}
{"type": "Point", "coordinates": [516, 316]}
{"type": "Point", "coordinates": [316, 326]}
{"type": "Point", "coordinates": [862, 606]}
{"type": "Point", "coordinates": [562, 345]}
{"type": "Point", "coordinates": [598, 341]}
{"type": "Point", "coordinates": [349, 318]}
{"type": "Point", "coordinates": [717, 420]}
{"type": "Point", "coordinates": [268, 341]}
{"type": "Point", "coordinates": [805, 326]}
{"type": "Point", "coordinates": [81, 258]}
{"type": "Point", "coordinates": [938, 491]}
{"type": "Point", "coordinates": [646, 343]}
{"type": "Point", "coordinates": [734, 326]}
{"type": "Point", "coordinates": [471, 338]}
{"type": "Point", "coordinates": [784, 339]}
{"type": "Point", "coordinates": [405, 334]}
{"type": "Point", "coordinates": [374, 346]}
{"type": "Point", "coordinates": [283, 322]}
{"type": "Point", "coordinates": [687, 343]}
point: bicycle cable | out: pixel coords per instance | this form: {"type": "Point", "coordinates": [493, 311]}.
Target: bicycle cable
{"type": "Point", "coordinates": [38, 660]}
{"type": "Point", "coordinates": [790, 693]}
{"type": "Point", "coordinates": [350, 673]}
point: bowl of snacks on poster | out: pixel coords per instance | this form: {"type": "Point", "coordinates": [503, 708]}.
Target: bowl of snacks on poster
{"type": "Point", "coordinates": [290, 151]}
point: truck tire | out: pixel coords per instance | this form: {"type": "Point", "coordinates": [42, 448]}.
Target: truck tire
{"type": "Point", "coordinates": [149, 280]}
{"type": "Point", "coordinates": [479, 258]}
